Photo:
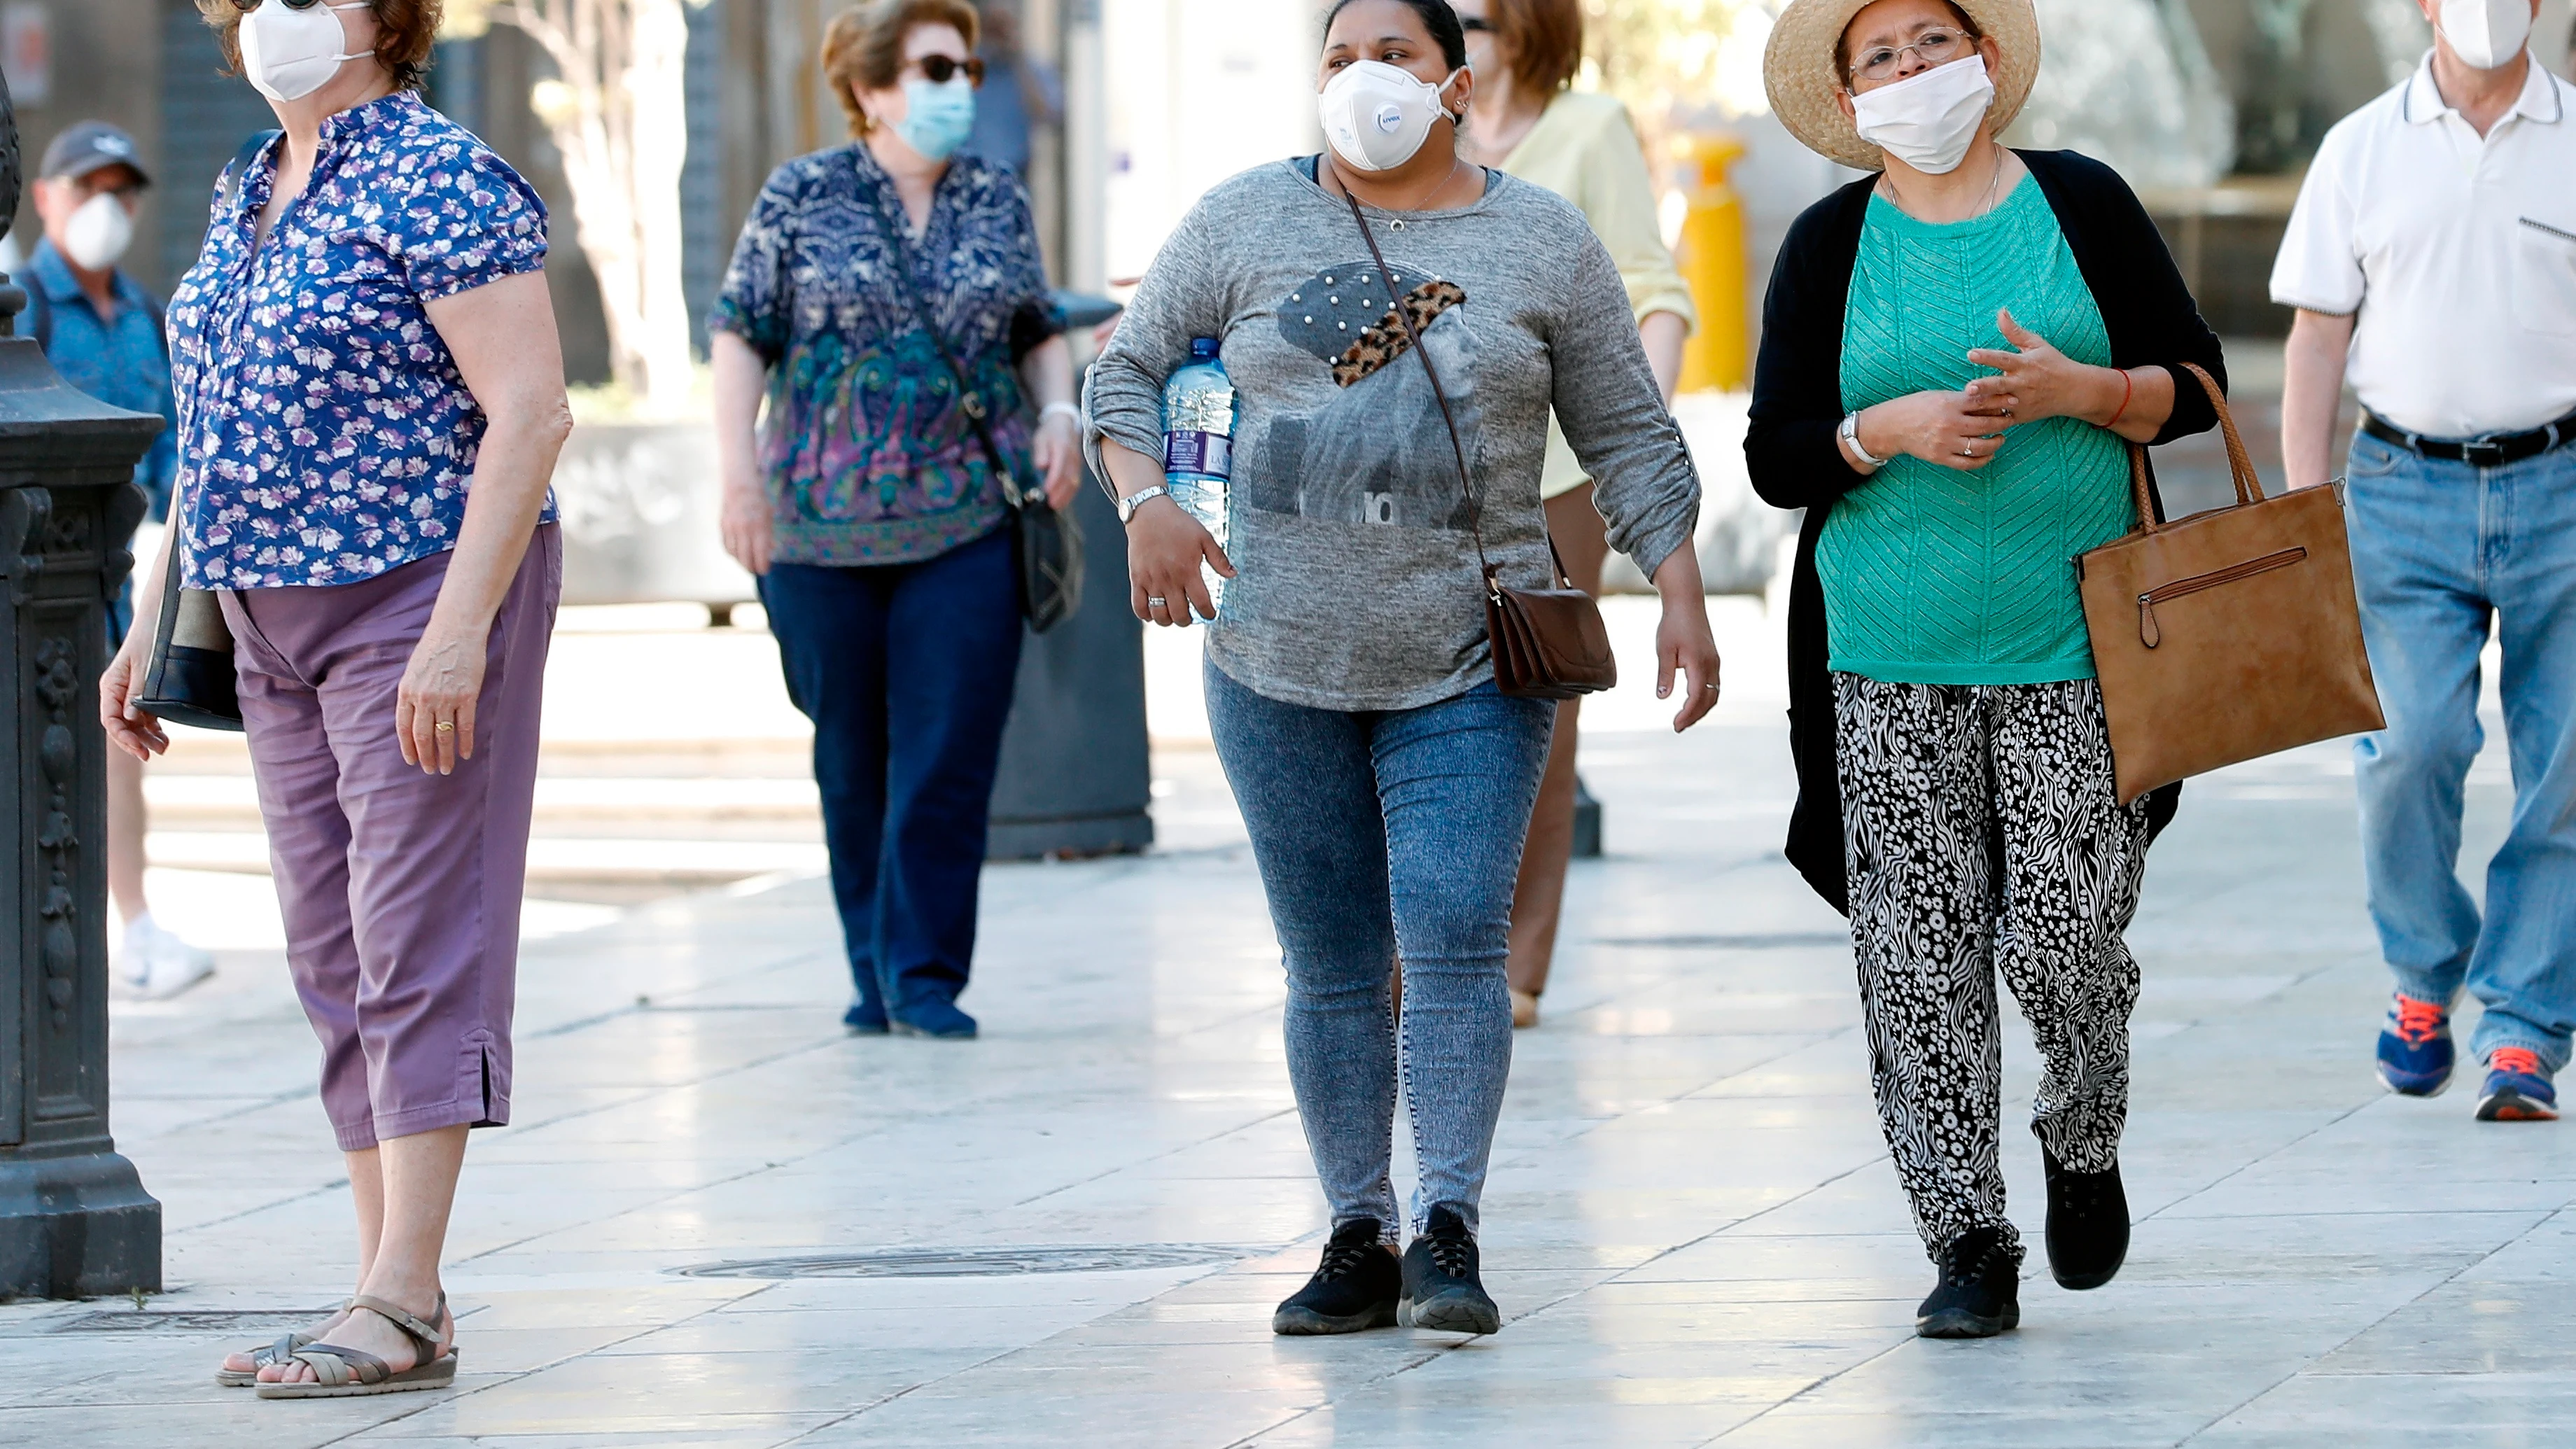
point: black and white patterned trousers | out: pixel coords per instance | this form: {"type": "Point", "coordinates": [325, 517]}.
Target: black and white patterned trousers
{"type": "Point", "coordinates": [1983, 832]}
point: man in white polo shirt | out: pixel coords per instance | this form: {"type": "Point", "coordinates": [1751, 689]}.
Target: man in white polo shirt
{"type": "Point", "coordinates": [2432, 260]}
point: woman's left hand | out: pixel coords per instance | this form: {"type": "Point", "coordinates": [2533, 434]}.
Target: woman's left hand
{"type": "Point", "coordinates": [2038, 381]}
{"type": "Point", "coordinates": [1058, 454]}
{"type": "Point", "coordinates": [1684, 643]}
{"type": "Point", "coordinates": [434, 712]}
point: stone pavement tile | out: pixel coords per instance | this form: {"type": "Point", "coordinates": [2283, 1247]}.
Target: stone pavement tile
{"type": "Point", "coordinates": [1391, 1417]}
{"type": "Point", "coordinates": [1919, 1427]}
{"type": "Point", "coordinates": [240, 1417]}
{"type": "Point", "coordinates": [645, 1389]}
{"type": "Point", "coordinates": [748, 1329]}
{"type": "Point", "coordinates": [2467, 1326]}
{"type": "Point", "coordinates": [435, 1426]}
{"type": "Point", "coordinates": [2404, 1411]}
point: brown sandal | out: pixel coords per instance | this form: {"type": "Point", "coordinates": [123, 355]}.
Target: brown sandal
{"type": "Point", "coordinates": [347, 1373]}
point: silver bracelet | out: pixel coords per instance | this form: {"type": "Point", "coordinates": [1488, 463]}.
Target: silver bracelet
{"type": "Point", "coordinates": [1066, 408]}
{"type": "Point", "coordinates": [1849, 432]}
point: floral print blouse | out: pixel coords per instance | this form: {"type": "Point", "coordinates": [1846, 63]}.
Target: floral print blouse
{"type": "Point", "coordinates": [869, 457]}
{"type": "Point", "coordinates": [325, 435]}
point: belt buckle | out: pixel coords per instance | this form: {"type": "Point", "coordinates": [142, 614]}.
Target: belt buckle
{"type": "Point", "coordinates": [2483, 453]}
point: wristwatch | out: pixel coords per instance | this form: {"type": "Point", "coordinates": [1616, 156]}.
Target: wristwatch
{"type": "Point", "coordinates": [1849, 432]}
{"type": "Point", "coordinates": [1128, 505]}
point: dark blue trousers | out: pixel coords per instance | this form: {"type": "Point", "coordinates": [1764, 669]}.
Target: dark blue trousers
{"type": "Point", "coordinates": [906, 672]}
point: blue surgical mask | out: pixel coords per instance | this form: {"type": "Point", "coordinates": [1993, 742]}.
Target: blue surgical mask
{"type": "Point", "coordinates": [937, 118]}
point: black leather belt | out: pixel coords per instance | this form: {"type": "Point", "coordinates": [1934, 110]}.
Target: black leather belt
{"type": "Point", "coordinates": [2493, 451]}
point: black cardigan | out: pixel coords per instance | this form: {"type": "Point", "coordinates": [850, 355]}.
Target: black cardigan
{"type": "Point", "coordinates": [1797, 406]}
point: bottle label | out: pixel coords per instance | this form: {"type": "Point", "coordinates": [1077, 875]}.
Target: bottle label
{"type": "Point", "coordinates": [1187, 450]}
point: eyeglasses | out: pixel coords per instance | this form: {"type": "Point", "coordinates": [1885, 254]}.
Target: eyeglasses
{"type": "Point", "coordinates": [939, 70]}
{"type": "Point", "coordinates": [1932, 47]}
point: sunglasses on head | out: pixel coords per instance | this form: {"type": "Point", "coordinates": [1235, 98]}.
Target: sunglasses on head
{"type": "Point", "coordinates": [939, 70]}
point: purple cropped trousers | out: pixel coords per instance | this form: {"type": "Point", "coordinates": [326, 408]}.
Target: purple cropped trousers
{"type": "Point", "coordinates": [400, 888]}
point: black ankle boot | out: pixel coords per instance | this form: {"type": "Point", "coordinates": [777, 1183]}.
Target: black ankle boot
{"type": "Point", "coordinates": [2088, 1224]}
{"type": "Point", "coordinates": [1354, 1287]}
{"type": "Point", "coordinates": [1979, 1294]}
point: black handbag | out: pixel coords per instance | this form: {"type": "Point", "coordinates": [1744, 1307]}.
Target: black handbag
{"type": "Point", "coordinates": [1046, 543]}
{"type": "Point", "coordinates": [188, 673]}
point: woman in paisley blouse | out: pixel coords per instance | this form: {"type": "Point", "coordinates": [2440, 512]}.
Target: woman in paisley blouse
{"type": "Point", "coordinates": [370, 403]}
{"type": "Point", "coordinates": [867, 502]}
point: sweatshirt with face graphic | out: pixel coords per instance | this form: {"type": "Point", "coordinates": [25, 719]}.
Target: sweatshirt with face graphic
{"type": "Point", "coordinates": [1357, 583]}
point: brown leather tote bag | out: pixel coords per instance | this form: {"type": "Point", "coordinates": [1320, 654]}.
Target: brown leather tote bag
{"type": "Point", "coordinates": [1548, 643]}
{"type": "Point", "coordinates": [2229, 635]}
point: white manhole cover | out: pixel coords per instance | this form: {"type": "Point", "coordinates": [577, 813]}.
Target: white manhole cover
{"type": "Point", "coordinates": [970, 1262]}
{"type": "Point", "coordinates": [251, 1322]}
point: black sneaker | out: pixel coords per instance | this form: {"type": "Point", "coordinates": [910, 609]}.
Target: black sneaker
{"type": "Point", "coordinates": [1355, 1287]}
{"type": "Point", "coordinates": [2088, 1224]}
{"type": "Point", "coordinates": [1979, 1294]}
{"type": "Point", "coordinates": [1441, 1286]}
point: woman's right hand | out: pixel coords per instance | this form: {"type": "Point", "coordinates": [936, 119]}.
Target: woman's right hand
{"type": "Point", "coordinates": [1164, 548]}
{"type": "Point", "coordinates": [1938, 427]}
{"type": "Point", "coordinates": [744, 522]}
{"type": "Point", "coordinates": [128, 728]}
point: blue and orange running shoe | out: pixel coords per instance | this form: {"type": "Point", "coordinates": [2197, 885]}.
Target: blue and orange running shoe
{"type": "Point", "coordinates": [2415, 1052]}
{"type": "Point", "coordinates": [2517, 1089]}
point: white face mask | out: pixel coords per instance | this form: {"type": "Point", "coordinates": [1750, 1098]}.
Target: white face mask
{"type": "Point", "coordinates": [1928, 121]}
{"type": "Point", "coordinates": [289, 54]}
{"type": "Point", "coordinates": [98, 233]}
{"type": "Point", "coordinates": [1377, 116]}
{"type": "Point", "coordinates": [2486, 34]}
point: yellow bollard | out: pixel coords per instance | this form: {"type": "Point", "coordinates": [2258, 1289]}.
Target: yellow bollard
{"type": "Point", "coordinates": [1719, 356]}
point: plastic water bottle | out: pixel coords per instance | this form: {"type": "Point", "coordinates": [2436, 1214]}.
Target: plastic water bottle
{"type": "Point", "coordinates": [1198, 447]}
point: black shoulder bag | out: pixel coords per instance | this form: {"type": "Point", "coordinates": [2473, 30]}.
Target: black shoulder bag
{"type": "Point", "coordinates": [188, 675]}
{"type": "Point", "coordinates": [1046, 543]}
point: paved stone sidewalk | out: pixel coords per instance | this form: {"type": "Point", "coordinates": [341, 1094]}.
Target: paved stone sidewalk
{"type": "Point", "coordinates": [1691, 1225]}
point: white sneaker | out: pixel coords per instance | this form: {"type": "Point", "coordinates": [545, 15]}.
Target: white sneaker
{"type": "Point", "coordinates": [155, 964]}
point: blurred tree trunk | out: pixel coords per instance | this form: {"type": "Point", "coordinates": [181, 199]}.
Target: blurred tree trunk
{"type": "Point", "coordinates": [617, 110]}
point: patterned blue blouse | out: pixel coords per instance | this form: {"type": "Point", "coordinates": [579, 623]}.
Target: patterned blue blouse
{"type": "Point", "coordinates": [869, 458]}
{"type": "Point", "coordinates": [325, 435]}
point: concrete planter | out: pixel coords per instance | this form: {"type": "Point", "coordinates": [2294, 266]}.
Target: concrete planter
{"type": "Point", "coordinates": [639, 503]}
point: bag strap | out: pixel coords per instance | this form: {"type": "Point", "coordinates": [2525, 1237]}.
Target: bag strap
{"type": "Point", "coordinates": [969, 401]}
{"type": "Point", "coordinates": [1457, 449]}
{"type": "Point", "coordinates": [2240, 463]}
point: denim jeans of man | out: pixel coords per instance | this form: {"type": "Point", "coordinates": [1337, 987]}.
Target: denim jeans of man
{"type": "Point", "coordinates": [906, 672]}
{"type": "Point", "coordinates": [1379, 835]}
{"type": "Point", "coordinates": [2439, 551]}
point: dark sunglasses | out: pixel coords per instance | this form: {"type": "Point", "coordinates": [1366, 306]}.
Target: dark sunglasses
{"type": "Point", "coordinates": [1475, 25]}
{"type": "Point", "coordinates": [939, 70]}
{"type": "Point", "coordinates": [247, 6]}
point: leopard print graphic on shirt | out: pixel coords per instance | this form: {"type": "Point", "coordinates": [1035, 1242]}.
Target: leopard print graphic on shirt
{"type": "Point", "coordinates": [1982, 833]}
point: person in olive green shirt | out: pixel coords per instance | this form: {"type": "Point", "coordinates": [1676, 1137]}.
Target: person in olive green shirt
{"type": "Point", "coordinates": [1584, 148]}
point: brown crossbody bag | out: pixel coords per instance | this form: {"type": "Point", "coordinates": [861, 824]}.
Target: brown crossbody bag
{"type": "Point", "coordinates": [1548, 643]}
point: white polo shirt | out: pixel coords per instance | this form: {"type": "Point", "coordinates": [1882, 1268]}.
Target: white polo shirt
{"type": "Point", "coordinates": [2458, 253]}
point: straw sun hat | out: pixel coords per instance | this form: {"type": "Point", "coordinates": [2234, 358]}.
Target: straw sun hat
{"type": "Point", "coordinates": [1798, 70]}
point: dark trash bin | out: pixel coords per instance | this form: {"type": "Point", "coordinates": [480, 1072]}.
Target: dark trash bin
{"type": "Point", "coordinates": [1076, 777]}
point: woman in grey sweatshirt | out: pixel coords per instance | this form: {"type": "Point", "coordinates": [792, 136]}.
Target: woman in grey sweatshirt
{"type": "Point", "coordinates": [1385, 781]}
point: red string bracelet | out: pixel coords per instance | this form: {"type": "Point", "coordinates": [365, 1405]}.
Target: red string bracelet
{"type": "Point", "coordinates": [2128, 389]}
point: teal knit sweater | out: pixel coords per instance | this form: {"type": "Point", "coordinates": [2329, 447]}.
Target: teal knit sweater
{"type": "Point", "coordinates": [1931, 575]}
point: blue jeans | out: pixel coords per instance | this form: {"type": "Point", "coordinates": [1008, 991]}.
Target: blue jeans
{"type": "Point", "coordinates": [2438, 549]}
{"type": "Point", "coordinates": [1382, 834]}
{"type": "Point", "coordinates": [906, 672]}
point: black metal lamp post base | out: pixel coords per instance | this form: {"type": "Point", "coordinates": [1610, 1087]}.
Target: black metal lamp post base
{"type": "Point", "coordinates": [74, 1219]}
{"type": "Point", "coordinates": [77, 1226]}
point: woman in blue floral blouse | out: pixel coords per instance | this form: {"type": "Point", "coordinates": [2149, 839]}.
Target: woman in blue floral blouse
{"type": "Point", "coordinates": [370, 401]}
{"type": "Point", "coordinates": [866, 501]}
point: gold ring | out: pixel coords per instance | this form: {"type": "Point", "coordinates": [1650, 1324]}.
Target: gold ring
{"type": "Point", "coordinates": [447, 726]}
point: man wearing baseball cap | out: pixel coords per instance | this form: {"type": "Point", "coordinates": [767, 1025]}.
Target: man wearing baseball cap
{"type": "Point", "coordinates": [103, 333]}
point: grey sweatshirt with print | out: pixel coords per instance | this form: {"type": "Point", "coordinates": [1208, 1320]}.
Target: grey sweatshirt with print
{"type": "Point", "coordinates": [1357, 585]}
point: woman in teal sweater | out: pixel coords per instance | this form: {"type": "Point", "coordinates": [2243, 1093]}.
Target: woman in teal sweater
{"type": "Point", "coordinates": [1957, 357]}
